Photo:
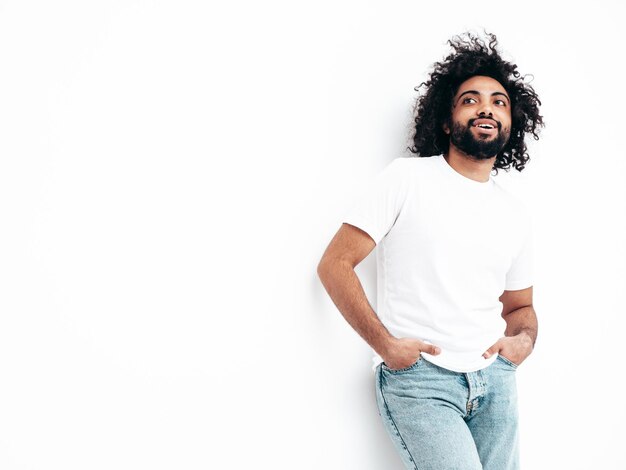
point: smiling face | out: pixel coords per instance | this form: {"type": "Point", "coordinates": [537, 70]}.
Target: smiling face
{"type": "Point", "coordinates": [481, 117]}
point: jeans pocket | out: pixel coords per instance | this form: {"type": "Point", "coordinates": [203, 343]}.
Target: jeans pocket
{"type": "Point", "coordinates": [507, 362]}
{"type": "Point", "coordinates": [406, 369]}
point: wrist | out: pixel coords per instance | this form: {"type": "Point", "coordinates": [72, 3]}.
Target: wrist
{"type": "Point", "coordinates": [386, 345]}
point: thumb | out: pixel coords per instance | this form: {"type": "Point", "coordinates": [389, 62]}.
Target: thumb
{"type": "Point", "coordinates": [431, 349]}
{"type": "Point", "coordinates": [492, 350]}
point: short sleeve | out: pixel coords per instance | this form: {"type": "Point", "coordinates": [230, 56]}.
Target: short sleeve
{"type": "Point", "coordinates": [520, 274]}
{"type": "Point", "coordinates": [376, 209]}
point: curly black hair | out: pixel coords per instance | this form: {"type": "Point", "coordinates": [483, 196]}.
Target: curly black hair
{"type": "Point", "coordinates": [473, 57]}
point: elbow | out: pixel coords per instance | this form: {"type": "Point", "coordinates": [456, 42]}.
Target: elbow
{"type": "Point", "coordinates": [321, 268]}
{"type": "Point", "coordinates": [324, 267]}
{"type": "Point", "coordinates": [329, 265]}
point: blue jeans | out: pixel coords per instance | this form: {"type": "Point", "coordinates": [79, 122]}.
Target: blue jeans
{"type": "Point", "coordinates": [444, 420]}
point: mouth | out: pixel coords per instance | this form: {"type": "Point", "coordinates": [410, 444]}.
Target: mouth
{"type": "Point", "coordinates": [485, 126]}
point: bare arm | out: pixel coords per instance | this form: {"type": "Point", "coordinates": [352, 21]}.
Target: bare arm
{"type": "Point", "coordinates": [519, 313]}
{"type": "Point", "coordinates": [347, 249]}
{"type": "Point", "coordinates": [521, 325]}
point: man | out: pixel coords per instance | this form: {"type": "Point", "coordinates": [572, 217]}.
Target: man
{"type": "Point", "coordinates": [455, 314]}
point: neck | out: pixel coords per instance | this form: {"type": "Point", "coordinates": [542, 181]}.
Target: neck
{"type": "Point", "coordinates": [468, 166]}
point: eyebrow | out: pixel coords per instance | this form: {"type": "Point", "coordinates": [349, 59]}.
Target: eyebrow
{"type": "Point", "coordinates": [474, 92]}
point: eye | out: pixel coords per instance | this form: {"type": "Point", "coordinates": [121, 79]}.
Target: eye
{"type": "Point", "coordinates": [465, 100]}
{"type": "Point", "coordinates": [501, 102]}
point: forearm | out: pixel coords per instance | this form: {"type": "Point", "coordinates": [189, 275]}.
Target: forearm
{"type": "Point", "coordinates": [522, 320]}
{"type": "Point", "coordinates": [345, 289]}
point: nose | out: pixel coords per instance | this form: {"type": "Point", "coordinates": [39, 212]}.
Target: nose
{"type": "Point", "coordinates": [485, 109]}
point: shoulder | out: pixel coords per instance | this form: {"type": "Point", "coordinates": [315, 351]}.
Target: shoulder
{"type": "Point", "coordinates": [415, 160]}
{"type": "Point", "coordinates": [410, 170]}
{"type": "Point", "coordinates": [405, 173]}
{"type": "Point", "coordinates": [396, 168]}
{"type": "Point", "coordinates": [410, 164]}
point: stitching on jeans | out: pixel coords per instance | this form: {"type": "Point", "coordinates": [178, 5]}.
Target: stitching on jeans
{"type": "Point", "coordinates": [406, 369]}
{"type": "Point", "coordinates": [506, 361]}
{"type": "Point", "coordinates": [382, 394]}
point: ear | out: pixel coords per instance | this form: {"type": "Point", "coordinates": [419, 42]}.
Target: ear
{"type": "Point", "coordinates": [446, 128]}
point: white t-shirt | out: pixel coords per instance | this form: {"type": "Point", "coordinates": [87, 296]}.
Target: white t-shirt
{"type": "Point", "coordinates": [447, 248]}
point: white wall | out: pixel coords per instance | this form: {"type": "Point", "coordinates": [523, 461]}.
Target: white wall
{"type": "Point", "coordinates": [171, 173]}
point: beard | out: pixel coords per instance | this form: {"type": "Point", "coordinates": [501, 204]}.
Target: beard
{"type": "Point", "coordinates": [481, 148]}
